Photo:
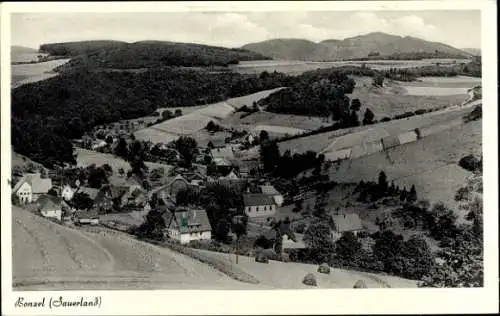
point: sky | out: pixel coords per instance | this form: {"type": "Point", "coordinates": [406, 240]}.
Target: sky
{"type": "Point", "coordinates": [461, 29]}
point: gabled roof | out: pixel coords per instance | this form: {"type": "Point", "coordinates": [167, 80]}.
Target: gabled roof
{"type": "Point", "coordinates": [195, 220]}
{"type": "Point", "coordinates": [46, 201]}
{"type": "Point", "coordinates": [233, 175]}
{"type": "Point", "coordinates": [222, 162]}
{"type": "Point", "coordinates": [38, 185]}
{"type": "Point", "coordinates": [269, 189]}
{"type": "Point", "coordinates": [190, 176]}
{"type": "Point", "coordinates": [225, 152]}
{"type": "Point", "coordinates": [257, 199]}
{"type": "Point", "coordinates": [91, 192]}
{"type": "Point", "coordinates": [346, 222]}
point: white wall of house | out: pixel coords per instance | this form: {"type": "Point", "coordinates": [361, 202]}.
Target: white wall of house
{"type": "Point", "coordinates": [52, 213]}
{"type": "Point", "coordinates": [24, 193]}
{"type": "Point", "coordinates": [67, 193]}
{"type": "Point", "coordinates": [261, 210]}
{"type": "Point", "coordinates": [185, 238]}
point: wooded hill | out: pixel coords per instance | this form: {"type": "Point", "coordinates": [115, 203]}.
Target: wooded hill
{"type": "Point", "coordinates": [363, 46]}
{"type": "Point", "coordinates": [146, 54]}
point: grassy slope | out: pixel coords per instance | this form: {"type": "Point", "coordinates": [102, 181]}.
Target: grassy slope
{"type": "Point", "coordinates": [49, 256]}
{"type": "Point", "coordinates": [430, 164]}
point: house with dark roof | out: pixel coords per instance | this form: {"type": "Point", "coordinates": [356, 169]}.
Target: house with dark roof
{"type": "Point", "coordinates": [345, 223]}
{"type": "Point", "coordinates": [271, 190]}
{"type": "Point", "coordinates": [50, 206]}
{"type": "Point", "coordinates": [30, 187]}
{"type": "Point", "coordinates": [186, 225]}
{"type": "Point", "coordinates": [112, 197]}
{"type": "Point", "coordinates": [259, 205]}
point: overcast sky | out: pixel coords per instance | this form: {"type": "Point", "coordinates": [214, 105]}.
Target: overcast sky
{"type": "Point", "coordinates": [461, 29]}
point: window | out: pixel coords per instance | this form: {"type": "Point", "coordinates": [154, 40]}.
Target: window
{"type": "Point", "coordinates": [265, 208]}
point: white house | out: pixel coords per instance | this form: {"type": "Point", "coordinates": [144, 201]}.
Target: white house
{"type": "Point", "coordinates": [187, 225]}
{"type": "Point", "coordinates": [271, 190]}
{"type": "Point", "coordinates": [259, 205]}
{"type": "Point", "coordinates": [31, 187]}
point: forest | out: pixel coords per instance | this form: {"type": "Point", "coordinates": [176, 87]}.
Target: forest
{"type": "Point", "coordinates": [46, 115]}
{"type": "Point", "coordinates": [146, 54]}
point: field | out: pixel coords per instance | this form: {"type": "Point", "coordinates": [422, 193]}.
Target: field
{"type": "Point", "coordinates": [289, 275]}
{"type": "Point", "coordinates": [27, 73]}
{"type": "Point", "coordinates": [431, 164]}
{"type": "Point", "coordinates": [88, 157]}
{"type": "Point", "coordinates": [429, 123]}
{"type": "Point", "coordinates": [400, 97]}
{"type": "Point", "coordinates": [297, 67]}
{"type": "Point", "coordinates": [48, 256]}
{"type": "Point", "coordinates": [195, 121]}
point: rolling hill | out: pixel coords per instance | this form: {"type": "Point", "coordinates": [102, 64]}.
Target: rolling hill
{"type": "Point", "coordinates": [372, 44]}
{"type": "Point", "coordinates": [473, 51]}
{"type": "Point", "coordinates": [146, 54]}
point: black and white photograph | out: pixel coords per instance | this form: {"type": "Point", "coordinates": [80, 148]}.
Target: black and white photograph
{"type": "Point", "coordinates": [246, 150]}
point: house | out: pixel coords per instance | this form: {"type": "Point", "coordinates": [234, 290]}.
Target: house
{"type": "Point", "coordinates": [345, 223]}
{"type": "Point", "coordinates": [270, 190]}
{"type": "Point", "coordinates": [259, 205]}
{"type": "Point", "coordinates": [224, 152]}
{"type": "Point", "coordinates": [30, 187]}
{"type": "Point", "coordinates": [91, 192]}
{"type": "Point", "coordinates": [186, 225]}
{"type": "Point", "coordinates": [67, 192]}
{"type": "Point", "coordinates": [120, 197]}
{"type": "Point", "coordinates": [50, 206]}
{"type": "Point", "coordinates": [90, 217]}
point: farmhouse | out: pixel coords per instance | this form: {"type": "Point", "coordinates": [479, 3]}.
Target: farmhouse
{"type": "Point", "coordinates": [186, 225]}
{"type": "Point", "coordinates": [259, 205]}
{"type": "Point", "coordinates": [91, 192]}
{"type": "Point", "coordinates": [271, 190]}
{"type": "Point", "coordinates": [345, 223]}
{"type": "Point", "coordinates": [30, 187]}
{"type": "Point", "coordinates": [50, 206]}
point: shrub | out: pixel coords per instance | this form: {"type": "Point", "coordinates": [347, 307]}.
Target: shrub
{"type": "Point", "coordinates": [261, 258]}
{"type": "Point", "coordinates": [470, 163]}
{"type": "Point", "coordinates": [360, 284]}
{"type": "Point", "coordinates": [385, 119]}
{"type": "Point", "coordinates": [263, 242]}
{"type": "Point", "coordinates": [324, 268]}
{"type": "Point", "coordinates": [310, 280]}
{"type": "Point", "coordinates": [420, 111]}
{"type": "Point", "coordinates": [300, 228]}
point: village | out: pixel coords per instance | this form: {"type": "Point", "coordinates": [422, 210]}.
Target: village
{"type": "Point", "coordinates": [121, 199]}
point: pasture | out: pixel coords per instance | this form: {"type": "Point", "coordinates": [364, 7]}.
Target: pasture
{"type": "Point", "coordinates": [191, 123]}
{"type": "Point", "coordinates": [431, 164]}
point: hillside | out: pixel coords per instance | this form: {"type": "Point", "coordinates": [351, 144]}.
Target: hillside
{"type": "Point", "coordinates": [473, 51]}
{"type": "Point", "coordinates": [372, 44]}
{"type": "Point", "coordinates": [21, 49]}
{"type": "Point", "coordinates": [50, 256]}
{"type": "Point", "coordinates": [146, 54]}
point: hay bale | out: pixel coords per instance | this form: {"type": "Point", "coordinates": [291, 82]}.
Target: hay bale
{"type": "Point", "coordinates": [360, 284]}
{"type": "Point", "coordinates": [261, 258]}
{"type": "Point", "coordinates": [310, 280]}
{"type": "Point", "coordinates": [324, 268]}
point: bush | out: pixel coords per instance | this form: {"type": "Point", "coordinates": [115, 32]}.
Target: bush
{"type": "Point", "coordinates": [310, 280]}
{"type": "Point", "coordinates": [300, 228]}
{"type": "Point", "coordinates": [261, 258]}
{"type": "Point", "coordinates": [420, 111]}
{"type": "Point", "coordinates": [324, 268]}
{"type": "Point", "coordinates": [263, 242]}
{"type": "Point", "coordinates": [470, 163]}
{"type": "Point", "coordinates": [385, 119]}
{"type": "Point", "coordinates": [360, 284]}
